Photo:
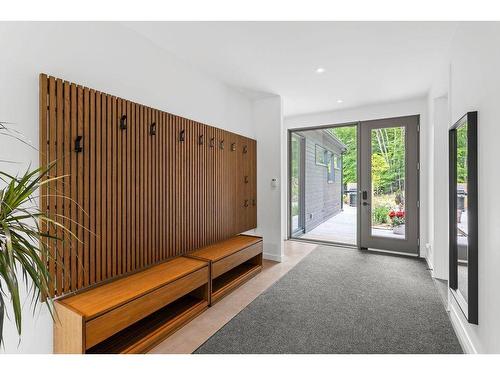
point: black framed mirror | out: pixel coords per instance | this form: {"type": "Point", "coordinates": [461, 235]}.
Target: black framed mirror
{"type": "Point", "coordinates": [463, 215]}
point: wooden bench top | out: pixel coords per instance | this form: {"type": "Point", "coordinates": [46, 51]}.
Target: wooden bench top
{"type": "Point", "coordinates": [225, 248]}
{"type": "Point", "coordinates": [116, 293]}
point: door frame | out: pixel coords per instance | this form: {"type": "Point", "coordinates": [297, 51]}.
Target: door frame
{"type": "Point", "coordinates": [302, 182]}
{"type": "Point", "coordinates": [358, 207]}
{"type": "Point", "coordinates": [290, 234]}
{"type": "Point", "coordinates": [413, 120]}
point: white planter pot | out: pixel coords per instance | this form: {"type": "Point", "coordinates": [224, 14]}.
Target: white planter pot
{"type": "Point", "coordinates": [400, 229]}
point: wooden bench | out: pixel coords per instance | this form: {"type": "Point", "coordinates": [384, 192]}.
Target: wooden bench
{"type": "Point", "coordinates": [134, 313]}
{"type": "Point", "coordinates": [232, 262]}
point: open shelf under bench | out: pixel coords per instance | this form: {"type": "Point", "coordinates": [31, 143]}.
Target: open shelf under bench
{"type": "Point", "coordinates": [147, 332]}
{"type": "Point", "coordinates": [232, 262]}
{"type": "Point", "coordinates": [134, 313]}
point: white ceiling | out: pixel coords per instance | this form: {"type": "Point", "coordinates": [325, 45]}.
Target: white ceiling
{"type": "Point", "coordinates": [365, 62]}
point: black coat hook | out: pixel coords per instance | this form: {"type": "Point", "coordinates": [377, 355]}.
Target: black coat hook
{"type": "Point", "coordinates": [212, 142]}
{"type": "Point", "coordinates": [123, 122]}
{"type": "Point", "coordinates": [233, 146]}
{"type": "Point", "coordinates": [245, 149]}
{"type": "Point", "coordinates": [182, 135]}
{"type": "Point", "coordinates": [200, 139]}
{"type": "Point", "coordinates": [246, 179]}
{"type": "Point", "coordinates": [221, 145]}
{"type": "Point", "coordinates": [152, 128]}
{"type": "Point", "coordinates": [253, 202]}
{"type": "Point", "coordinates": [246, 203]}
{"type": "Point", "coordinates": [78, 144]}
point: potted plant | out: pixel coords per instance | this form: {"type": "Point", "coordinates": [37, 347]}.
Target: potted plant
{"type": "Point", "coordinates": [23, 253]}
{"type": "Point", "coordinates": [397, 221]}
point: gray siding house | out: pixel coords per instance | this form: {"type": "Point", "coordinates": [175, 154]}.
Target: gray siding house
{"type": "Point", "coordinates": [323, 177]}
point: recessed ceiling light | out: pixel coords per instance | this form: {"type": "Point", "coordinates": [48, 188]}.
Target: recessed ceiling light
{"type": "Point", "coordinates": [340, 101]}
{"type": "Point", "coordinates": [320, 70]}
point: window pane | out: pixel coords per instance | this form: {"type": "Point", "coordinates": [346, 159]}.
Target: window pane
{"type": "Point", "coordinates": [330, 176]}
{"type": "Point", "coordinates": [321, 155]}
{"type": "Point", "coordinates": [388, 171]}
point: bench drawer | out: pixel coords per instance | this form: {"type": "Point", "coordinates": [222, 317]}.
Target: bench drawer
{"type": "Point", "coordinates": [106, 325]}
{"type": "Point", "coordinates": [233, 260]}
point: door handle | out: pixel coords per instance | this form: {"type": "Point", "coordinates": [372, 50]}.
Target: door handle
{"type": "Point", "coordinates": [366, 204]}
{"type": "Point", "coordinates": [365, 194]}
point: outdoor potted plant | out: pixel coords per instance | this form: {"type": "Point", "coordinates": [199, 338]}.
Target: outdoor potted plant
{"type": "Point", "coordinates": [397, 222]}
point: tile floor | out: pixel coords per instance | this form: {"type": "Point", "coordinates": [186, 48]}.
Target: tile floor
{"type": "Point", "coordinates": [341, 228]}
{"type": "Point", "coordinates": [196, 332]}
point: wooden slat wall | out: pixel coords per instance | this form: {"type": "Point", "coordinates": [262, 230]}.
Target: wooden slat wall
{"type": "Point", "coordinates": [132, 198]}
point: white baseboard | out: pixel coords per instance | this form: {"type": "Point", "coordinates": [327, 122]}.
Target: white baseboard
{"type": "Point", "coordinates": [276, 258]}
{"type": "Point", "coordinates": [428, 258]}
{"type": "Point", "coordinates": [430, 266]}
{"type": "Point", "coordinates": [460, 331]}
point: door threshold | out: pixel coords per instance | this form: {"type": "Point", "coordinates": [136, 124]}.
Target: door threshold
{"type": "Point", "coordinates": [327, 243]}
{"type": "Point", "coordinates": [391, 252]}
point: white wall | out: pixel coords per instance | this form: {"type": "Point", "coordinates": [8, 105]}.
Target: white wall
{"type": "Point", "coordinates": [417, 106]}
{"type": "Point", "coordinates": [114, 59]}
{"type": "Point", "coordinates": [439, 118]}
{"type": "Point", "coordinates": [474, 85]}
{"type": "Point", "coordinates": [438, 192]}
{"type": "Point", "coordinates": [268, 120]}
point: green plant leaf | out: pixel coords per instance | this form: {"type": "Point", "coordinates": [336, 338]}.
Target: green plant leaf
{"type": "Point", "coordinates": [23, 255]}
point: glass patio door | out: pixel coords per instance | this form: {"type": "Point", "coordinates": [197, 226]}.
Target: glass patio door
{"type": "Point", "coordinates": [389, 184]}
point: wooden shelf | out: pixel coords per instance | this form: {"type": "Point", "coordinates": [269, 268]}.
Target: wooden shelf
{"type": "Point", "coordinates": [149, 331]}
{"type": "Point", "coordinates": [232, 279]}
{"type": "Point", "coordinates": [101, 299]}
{"type": "Point", "coordinates": [232, 262]}
{"type": "Point", "coordinates": [225, 248]}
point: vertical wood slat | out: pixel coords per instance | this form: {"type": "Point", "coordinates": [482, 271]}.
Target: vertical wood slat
{"type": "Point", "coordinates": [133, 192]}
{"type": "Point", "coordinates": [52, 156]}
{"type": "Point", "coordinates": [98, 184]}
{"type": "Point", "coordinates": [210, 182]}
{"type": "Point", "coordinates": [122, 182]}
{"type": "Point", "coordinates": [161, 182]}
{"type": "Point", "coordinates": [103, 187]}
{"type": "Point", "coordinates": [179, 181]}
{"type": "Point", "coordinates": [59, 171]}
{"type": "Point", "coordinates": [67, 182]}
{"type": "Point", "coordinates": [80, 182]}
{"type": "Point", "coordinates": [254, 184]}
{"type": "Point", "coordinates": [114, 187]}
{"type": "Point", "coordinates": [119, 212]}
{"type": "Point", "coordinates": [109, 178]}
{"type": "Point", "coordinates": [215, 178]}
{"type": "Point", "coordinates": [87, 140]}
{"type": "Point", "coordinates": [244, 197]}
{"type": "Point", "coordinates": [74, 189]}
{"type": "Point", "coordinates": [142, 198]}
{"type": "Point", "coordinates": [123, 198]}
{"type": "Point", "coordinates": [92, 187]}
{"type": "Point", "coordinates": [43, 159]}
{"type": "Point", "coordinates": [171, 184]}
{"type": "Point", "coordinates": [154, 201]}
{"type": "Point", "coordinates": [186, 188]}
{"type": "Point", "coordinates": [189, 185]}
{"type": "Point", "coordinates": [128, 137]}
{"type": "Point", "coordinates": [147, 116]}
{"type": "Point", "coordinates": [140, 203]}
